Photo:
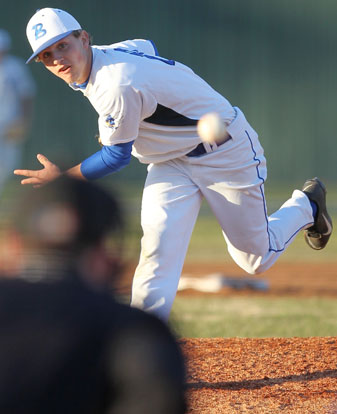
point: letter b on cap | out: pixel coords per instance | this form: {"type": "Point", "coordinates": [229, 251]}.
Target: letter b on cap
{"type": "Point", "coordinates": [39, 31]}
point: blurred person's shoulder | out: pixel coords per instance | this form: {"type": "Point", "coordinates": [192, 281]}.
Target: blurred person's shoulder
{"type": "Point", "coordinates": [14, 62]}
{"type": "Point", "coordinates": [15, 68]}
{"type": "Point", "coordinates": [70, 295]}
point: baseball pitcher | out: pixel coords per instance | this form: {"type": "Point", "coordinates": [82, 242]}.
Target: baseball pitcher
{"type": "Point", "coordinates": [149, 107]}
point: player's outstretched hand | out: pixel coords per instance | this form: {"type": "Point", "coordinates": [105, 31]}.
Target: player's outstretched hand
{"type": "Point", "coordinates": [38, 178]}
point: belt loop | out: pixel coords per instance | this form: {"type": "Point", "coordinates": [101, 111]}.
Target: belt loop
{"type": "Point", "coordinates": [208, 147]}
{"type": "Point", "coordinates": [205, 147]}
{"type": "Point", "coordinates": [214, 146]}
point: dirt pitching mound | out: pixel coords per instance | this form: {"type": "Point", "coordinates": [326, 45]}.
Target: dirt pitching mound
{"type": "Point", "coordinates": [277, 375]}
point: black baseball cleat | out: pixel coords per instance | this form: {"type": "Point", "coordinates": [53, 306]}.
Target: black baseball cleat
{"type": "Point", "coordinates": [317, 236]}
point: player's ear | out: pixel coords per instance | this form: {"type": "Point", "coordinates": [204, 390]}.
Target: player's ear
{"type": "Point", "coordinates": [85, 38]}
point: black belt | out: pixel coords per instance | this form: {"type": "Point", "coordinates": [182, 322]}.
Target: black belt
{"type": "Point", "coordinates": [200, 149]}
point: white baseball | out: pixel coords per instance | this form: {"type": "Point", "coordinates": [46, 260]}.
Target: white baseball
{"type": "Point", "coordinates": [211, 128]}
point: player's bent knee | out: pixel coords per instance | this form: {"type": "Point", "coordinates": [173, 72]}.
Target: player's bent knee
{"type": "Point", "coordinates": [253, 265]}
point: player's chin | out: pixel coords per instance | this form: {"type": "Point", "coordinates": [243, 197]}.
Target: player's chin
{"type": "Point", "coordinates": [64, 77]}
{"type": "Point", "coordinates": [68, 77]}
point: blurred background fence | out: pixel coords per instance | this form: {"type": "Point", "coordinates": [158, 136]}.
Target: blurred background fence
{"type": "Point", "coordinates": [276, 60]}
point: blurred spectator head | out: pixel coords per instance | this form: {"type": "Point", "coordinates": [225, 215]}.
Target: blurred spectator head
{"type": "Point", "coordinates": [67, 214]}
{"type": "Point", "coordinates": [73, 221]}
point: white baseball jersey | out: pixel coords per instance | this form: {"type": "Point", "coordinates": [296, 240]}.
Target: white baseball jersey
{"type": "Point", "coordinates": [155, 101]}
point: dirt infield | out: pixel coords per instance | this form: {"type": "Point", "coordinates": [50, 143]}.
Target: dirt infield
{"type": "Point", "coordinates": [284, 279]}
{"type": "Point", "coordinates": [273, 375]}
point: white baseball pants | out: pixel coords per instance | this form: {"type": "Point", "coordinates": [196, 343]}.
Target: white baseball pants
{"type": "Point", "coordinates": [231, 179]}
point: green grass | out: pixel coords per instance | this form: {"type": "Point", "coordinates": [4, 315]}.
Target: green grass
{"type": "Point", "coordinates": [255, 317]}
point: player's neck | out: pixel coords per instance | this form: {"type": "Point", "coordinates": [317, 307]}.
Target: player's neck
{"type": "Point", "coordinates": [86, 73]}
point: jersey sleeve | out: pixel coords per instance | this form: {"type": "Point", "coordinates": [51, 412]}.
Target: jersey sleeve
{"type": "Point", "coordinates": [120, 122]}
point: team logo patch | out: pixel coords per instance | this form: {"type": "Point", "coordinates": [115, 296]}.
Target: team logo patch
{"type": "Point", "coordinates": [110, 122]}
{"type": "Point", "coordinates": [39, 31]}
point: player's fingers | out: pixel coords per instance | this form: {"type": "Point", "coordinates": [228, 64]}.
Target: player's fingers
{"type": "Point", "coordinates": [44, 160]}
{"type": "Point", "coordinates": [26, 173]}
{"type": "Point", "coordinates": [35, 181]}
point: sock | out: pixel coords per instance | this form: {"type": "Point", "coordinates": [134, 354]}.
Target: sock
{"type": "Point", "coordinates": [314, 209]}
